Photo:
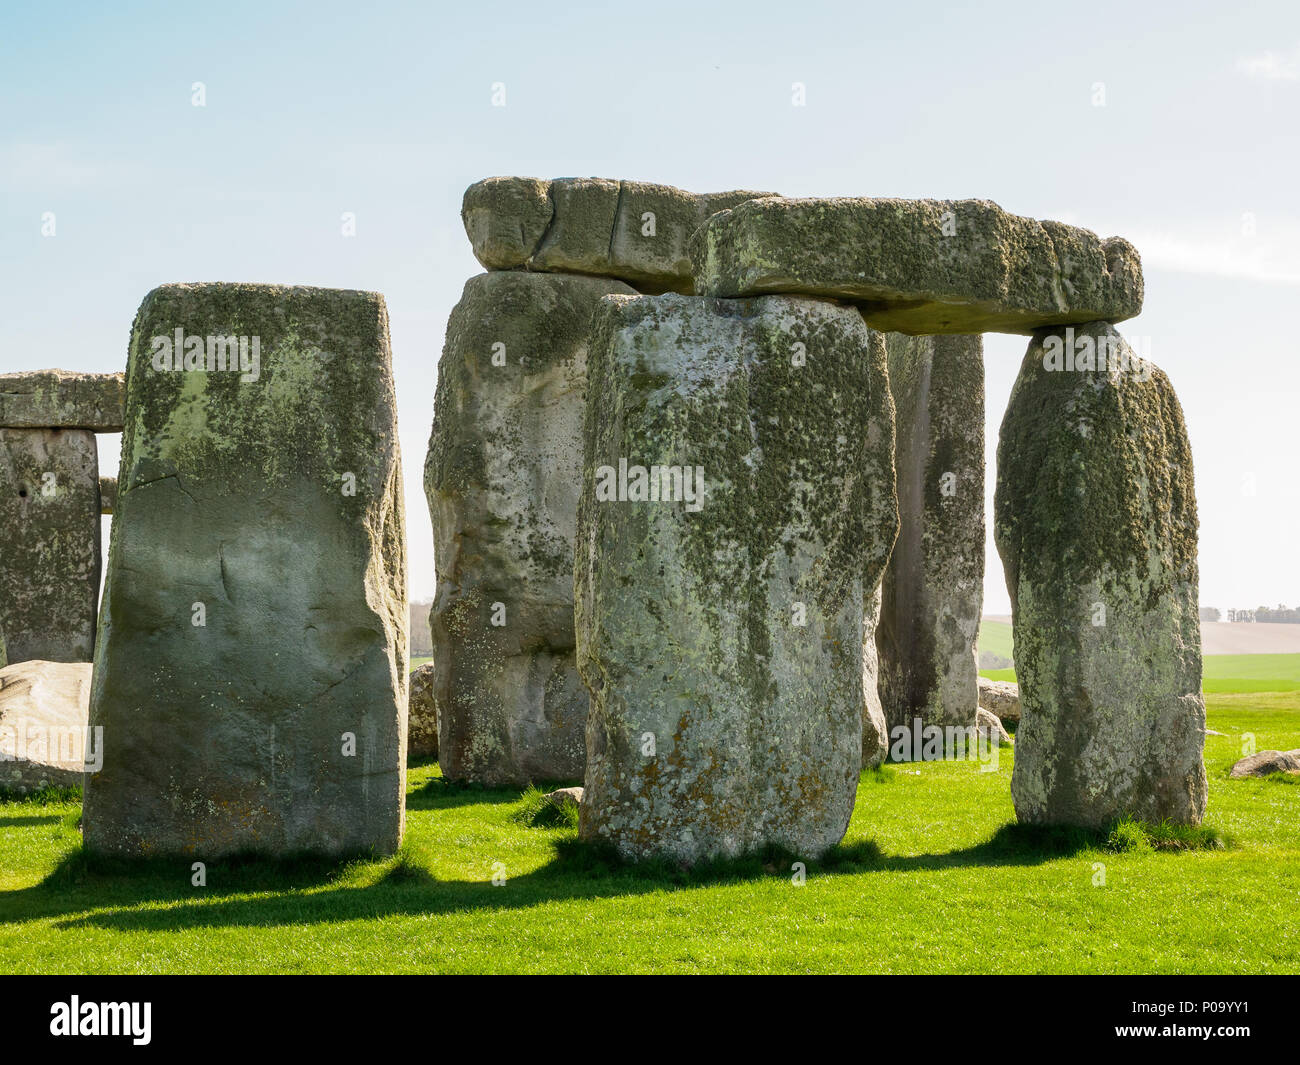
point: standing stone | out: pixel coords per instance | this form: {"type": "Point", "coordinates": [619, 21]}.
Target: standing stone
{"type": "Point", "coordinates": [502, 480]}
{"type": "Point", "coordinates": [738, 507]}
{"type": "Point", "coordinates": [49, 529]}
{"type": "Point", "coordinates": [933, 589]}
{"type": "Point", "coordinates": [422, 714]}
{"type": "Point", "coordinates": [631, 230]}
{"type": "Point", "coordinates": [920, 266]}
{"type": "Point", "coordinates": [107, 494]}
{"type": "Point", "coordinates": [61, 399]}
{"type": "Point", "coordinates": [875, 729]}
{"type": "Point", "coordinates": [1096, 526]}
{"type": "Point", "coordinates": [251, 670]}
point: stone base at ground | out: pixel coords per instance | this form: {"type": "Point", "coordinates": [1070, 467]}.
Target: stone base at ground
{"type": "Point", "coordinates": [720, 609]}
{"type": "Point", "coordinates": [1266, 763]}
{"type": "Point", "coordinates": [251, 671]}
{"type": "Point", "coordinates": [49, 529]}
{"type": "Point", "coordinates": [1001, 698]}
{"type": "Point", "coordinates": [1096, 526]}
{"type": "Point", "coordinates": [43, 711]}
{"type": "Point", "coordinates": [422, 714]}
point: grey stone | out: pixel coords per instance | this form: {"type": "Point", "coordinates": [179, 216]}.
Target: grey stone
{"type": "Point", "coordinates": [107, 494]}
{"type": "Point", "coordinates": [62, 399]}
{"type": "Point", "coordinates": [933, 589]}
{"type": "Point", "coordinates": [631, 230]}
{"type": "Point", "coordinates": [251, 671]}
{"type": "Point", "coordinates": [1266, 763]}
{"type": "Point", "coordinates": [1001, 698]}
{"type": "Point", "coordinates": [422, 714]}
{"type": "Point", "coordinates": [1096, 525]}
{"type": "Point", "coordinates": [875, 729]}
{"type": "Point", "coordinates": [43, 709]}
{"type": "Point", "coordinates": [49, 526]}
{"type": "Point", "coordinates": [562, 797]}
{"type": "Point", "coordinates": [989, 728]}
{"type": "Point", "coordinates": [502, 480]}
{"type": "Point", "coordinates": [722, 636]}
{"type": "Point", "coordinates": [920, 266]}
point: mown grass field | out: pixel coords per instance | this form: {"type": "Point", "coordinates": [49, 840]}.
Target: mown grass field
{"type": "Point", "coordinates": [933, 876]}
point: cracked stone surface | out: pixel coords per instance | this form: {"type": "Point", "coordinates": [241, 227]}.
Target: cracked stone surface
{"type": "Point", "coordinates": [62, 399]}
{"type": "Point", "coordinates": [1096, 525]}
{"type": "Point", "coordinates": [723, 646]}
{"type": "Point", "coordinates": [50, 537]}
{"type": "Point", "coordinates": [921, 266]}
{"type": "Point", "coordinates": [634, 231]}
{"type": "Point", "coordinates": [933, 590]}
{"type": "Point", "coordinates": [502, 479]}
{"type": "Point", "coordinates": [251, 671]}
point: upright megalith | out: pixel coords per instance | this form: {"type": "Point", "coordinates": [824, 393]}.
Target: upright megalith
{"type": "Point", "coordinates": [250, 675]}
{"type": "Point", "coordinates": [933, 588]}
{"type": "Point", "coordinates": [1096, 525]}
{"type": "Point", "coordinates": [632, 230]}
{"type": "Point", "coordinates": [49, 543]}
{"type": "Point", "coordinates": [737, 511]}
{"type": "Point", "coordinates": [920, 266]}
{"type": "Point", "coordinates": [502, 480]}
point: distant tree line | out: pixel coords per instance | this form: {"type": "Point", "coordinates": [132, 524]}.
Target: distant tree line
{"type": "Point", "coordinates": [1279, 614]}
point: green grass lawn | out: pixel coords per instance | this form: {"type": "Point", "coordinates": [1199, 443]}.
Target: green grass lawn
{"type": "Point", "coordinates": [995, 637]}
{"type": "Point", "coordinates": [1223, 674]}
{"type": "Point", "coordinates": [933, 876]}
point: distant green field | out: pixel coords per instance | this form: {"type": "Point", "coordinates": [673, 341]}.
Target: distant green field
{"type": "Point", "coordinates": [1223, 673]}
{"type": "Point", "coordinates": [995, 637]}
{"type": "Point", "coordinates": [416, 663]}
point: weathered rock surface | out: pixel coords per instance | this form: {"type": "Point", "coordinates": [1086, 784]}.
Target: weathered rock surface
{"type": "Point", "coordinates": [107, 494]}
{"type": "Point", "coordinates": [422, 714]}
{"type": "Point", "coordinates": [562, 797]}
{"type": "Point", "coordinates": [989, 728]}
{"type": "Point", "coordinates": [1096, 525]}
{"type": "Point", "coordinates": [43, 710]}
{"type": "Point", "coordinates": [921, 266]}
{"type": "Point", "coordinates": [1000, 698]}
{"type": "Point", "coordinates": [251, 672]}
{"type": "Point", "coordinates": [1266, 763]}
{"type": "Point", "coordinates": [62, 399]}
{"type": "Point", "coordinates": [49, 529]}
{"type": "Point", "coordinates": [502, 479]}
{"type": "Point", "coordinates": [933, 589]}
{"type": "Point", "coordinates": [631, 230]}
{"type": "Point", "coordinates": [875, 729]}
{"type": "Point", "coordinates": [721, 635]}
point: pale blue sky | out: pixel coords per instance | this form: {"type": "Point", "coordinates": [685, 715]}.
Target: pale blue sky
{"type": "Point", "coordinates": [385, 110]}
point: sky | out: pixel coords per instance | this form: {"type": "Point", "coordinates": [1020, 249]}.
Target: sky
{"type": "Point", "coordinates": [1178, 128]}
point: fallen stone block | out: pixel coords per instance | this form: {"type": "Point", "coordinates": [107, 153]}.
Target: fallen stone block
{"type": "Point", "coordinates": [933, 589]}
{"type": "Point", "coordinates": [1096, 525]}
{"type": "Point", "coordinates": [49, 526]}
{"type": "Point", "coordinates": [920, 266]}
{"type": "Point", "coordinates": [62, 399]}
{"type": "Point", "coordinates": [737, 510]}
{"type": "Point", "coordinates": [989, 728]}
{"type": "Point", "coordinates": [43, 739]}
{"type": "Point", "coordinates": [1266, 763]}
{"type": "Point", "coordinates": [1000, 698]}
{"type": "Point", "coordinates": [631, 230]}
{"type": "Point", "coordinates": [250, 676]}
{"type": "Point", "coordinates": [502, 479]}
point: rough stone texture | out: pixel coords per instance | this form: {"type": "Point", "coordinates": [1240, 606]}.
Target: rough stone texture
{"type": "Point", "coordinates": [276, 503]}
{"type": "Point", "coordinates": [422, 714]}
{"type": "Point", "coordinates": [43, 708]}
{"type": "Point", "coordinates": [594, 226]}
{"type": "Point", "coordinates": [1000, 698]}
{"type": "Point", "coordinates": [562, 797]}
{"type": "Point", "coordinates": [502, 480]}
{"type": "Point", "coordinates": [62, 399]}
{"type": "Point", "coordinates": [875, 729]}
{"type": "Point", "coordinates": [1265, 763]}
{"type": "Point", "coordinates": [921, 266]}
{"type": "Point", "coordinates": [990, 729]}
{"type": "Point", "coordinates": [49, 543]}
{"type": "Point", "coordinates": [107, 494]}
{"type": "Point", "coordinates": [688, 622]}
{"type": "Point", "coordinates": [1096, 525]}
{"type": "Point", "coordinates": [933, 589]}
